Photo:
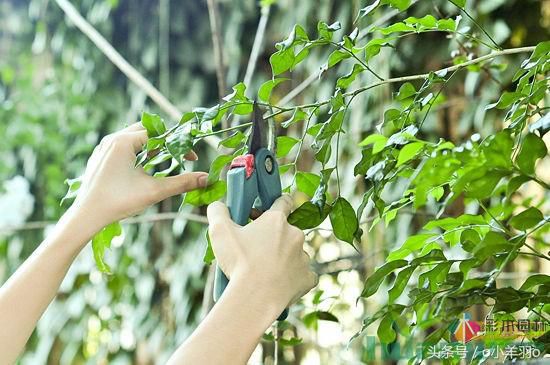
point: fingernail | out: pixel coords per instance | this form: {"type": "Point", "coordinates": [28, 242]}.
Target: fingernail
{"type": "Point", "coordinates": [203, 180]}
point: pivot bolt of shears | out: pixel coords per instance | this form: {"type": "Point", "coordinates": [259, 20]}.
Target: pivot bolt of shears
{"type": "Point", "coordinates": [268, 164]}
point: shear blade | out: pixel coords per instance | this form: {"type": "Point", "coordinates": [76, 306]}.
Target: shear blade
{"type": "Point", "coordinates": [260, 137]}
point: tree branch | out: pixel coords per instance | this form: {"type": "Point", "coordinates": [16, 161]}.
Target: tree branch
{"type": "Point", "coordinates": [112, 54]}
{"type": "Point", "coordinates": [415, 77]}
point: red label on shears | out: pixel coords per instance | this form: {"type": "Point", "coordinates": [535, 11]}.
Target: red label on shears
{"type": "Point", "coordinates": [246, 161]}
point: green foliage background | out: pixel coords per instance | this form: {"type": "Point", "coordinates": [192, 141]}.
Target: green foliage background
{"type": "Point", "coordinates": [59, 95]}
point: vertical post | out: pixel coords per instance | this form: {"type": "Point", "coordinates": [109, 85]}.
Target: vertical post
{"type": "Point", "coordinates": [215, 26]}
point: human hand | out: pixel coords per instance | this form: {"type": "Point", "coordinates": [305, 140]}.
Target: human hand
{"type": "Point", "coordinates": [266, 253]}
{"type": "Point", "coordinates": [114, 188]}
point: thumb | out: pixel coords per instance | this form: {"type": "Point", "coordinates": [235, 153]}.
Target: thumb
{"type": "Point", "coordinates": [218, 213]}
{"type": "Point", "coordinates": [182, 183]}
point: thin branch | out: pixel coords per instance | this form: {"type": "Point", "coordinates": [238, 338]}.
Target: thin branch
{"type": "Point", "coordinates": [350, 52]}
{"type": "Point", "coordinates": [303, 85]}
{"type": "Point", "coordinates": [146, 218]}
{"type": "Point", "coordinates": [413, 77]}
{"type": "Point", "coordinates": [112, 54]}
{"type": "Point", "coordinates": [444, 70]}
{"type": "Point", "coordinates": [258, 45]}
{"type": "Point", "coordinates": [476, 23]}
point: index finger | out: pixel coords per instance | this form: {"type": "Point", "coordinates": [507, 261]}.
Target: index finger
{"type": "Point", "coordinates": [284, 204]}
{"type": "Point", "coordinates": [135, 127]}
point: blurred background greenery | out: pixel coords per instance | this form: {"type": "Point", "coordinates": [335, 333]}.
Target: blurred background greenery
{"type": "Point", "coordinates": [59, 95]}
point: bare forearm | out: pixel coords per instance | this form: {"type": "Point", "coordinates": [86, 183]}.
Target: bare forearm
{"type": "Point", "coordinates": [231, 330]}
{"type": "Point", "coordinates": [29, 291]}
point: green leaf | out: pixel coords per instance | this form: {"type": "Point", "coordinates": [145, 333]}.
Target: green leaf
{"type": "Point", "coordinates": [186, 117]}
{"type": "Point", "coordinates": [208, 256]}
{"type": "Point", "coordinates": [179, 143]}
{"type": "Point", "coordinates": [238, 93]}
{"type": "Point", "coordinates": [532, 148]}
{"type": "Point", "coordinates": [506, 99]}
{"type": "Point", "coordinates": [307, 183]}
{"type": "Point", "coordinates": [428, 21]}
{"type": "Point", "coordinates": [365, 162]}
{"type": "Point", "coordinates": [285, 144]}
{"type": "Point", "coordinates": [535, 280]}
{"type": "Point", "coordinates": [469, 239]}
{"type": "Point", "coordinates": [411, 244]}
{"type": "Point", "coordinates": [281, 61]}
{"type": "Point", "coordinates": [484, 186]}
{"type": "Point", "coordinates": [157, 160]}
{"type": "Point", "coordinates": [385, 332]}
{"type": "Point", "coordinates": [267, 87]}
{"type": "Point", "coordinates": [326, 31]}
{"type": "Point", "coordinates": [498, 149]}
{"type": "Point", "coordinates": [233, 141]}
{"type": "Point", "coordinates": [307, 216]}
{"type": "Point", "coordinates": [368, 9]}
{"type": "Point", "coordinates": [435, 276]}
{"type": "Point", "coordinates": [526, 219]}
{"type": "Point", "coordinates": [217, 166]}
{"type": "Point", "coordinates": [101, 242]}
{"type": "Point", "coordinates": [327, 316]}
{"type": "Point", "coordinates": [72, 192]}
{"type": "Point", "coordinates": [297, 36]}
{"type": "Point", "coordinates": [297, 116]}
{"type": "Point", "coordinates": [396, 28]}
{"type": "Point", "coordinates": [406, 91]}
{"type": "Point", "coordinates": [409, 152]}
{"type": "Point", "coordinates": [331, 126]}
{"type": "Point", "coordinates": [400, 283]}
{"type": "Point", "coordinates": [283, 169]}
{"type": "Point", "coordinates": [375, 280]}
{"type": "Point", "coordinates": [372, 48]}
{"type": "Point", "coordinates": [336, 57]}
{"type": "Point", "coordinates": [346, 80]}
{"type": "Point", "coordinates": [398, 4]}
{"type": "Point", "coordinates": [287, 342]}
{"type": "Point", "coordinates": [510, 300]}
{"type": "Point", "coordinates": [515, 183]}
{"type": "Point", "coordinates": [207, 195]}
{"type": "Point", "coordinates": [310, 320]}
{"type": "Point", "coordinates": [213, 114]}
{"type": "Point", "coordinates": [343, 219]}
{"type": "Point", "coordinates": [446, 25]}
{"type": "Point", "coordinates": [492, 244]}
{"type": "Point", "coordinates": [153, 123]}
{"type": "Point", "coordinates": [378, 142]}
{"type": "Point", "coordinates": [454, 222]}
{"type": "Point", "coordinates": [460, 3]}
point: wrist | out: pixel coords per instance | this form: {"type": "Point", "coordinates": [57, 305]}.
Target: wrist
{"type": "Point", "coordinates": [77, 226]}
{"type": "Point", "coordinates": [260, 294]}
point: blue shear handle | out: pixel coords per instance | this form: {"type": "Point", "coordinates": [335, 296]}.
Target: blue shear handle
{"type": "Point", "coordinates": [241, 197]}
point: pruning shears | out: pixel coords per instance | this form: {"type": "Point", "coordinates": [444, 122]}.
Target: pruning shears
{"type": "Point", "coordinates": [253, 181]}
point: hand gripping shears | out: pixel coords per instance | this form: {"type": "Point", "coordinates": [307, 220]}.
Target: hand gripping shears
{"type": "Point", "coordinates": [252, 181]}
